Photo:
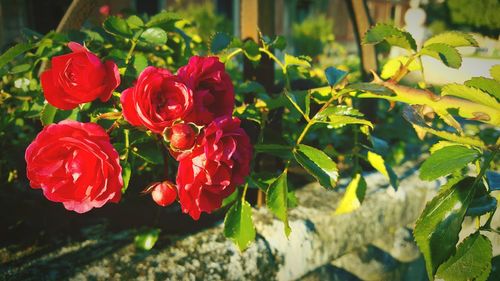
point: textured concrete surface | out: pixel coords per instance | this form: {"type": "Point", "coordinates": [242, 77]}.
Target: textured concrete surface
{"type": "Point", "coordinates": [317, 238]}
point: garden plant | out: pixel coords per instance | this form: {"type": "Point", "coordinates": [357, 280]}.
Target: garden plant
{"type": "Point", "coordinates": [147, 96]}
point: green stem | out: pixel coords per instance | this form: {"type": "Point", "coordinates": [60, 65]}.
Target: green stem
{"type": "Point", "coordinates": [127, 144]}
{"type": "Point", "coordinates": [244, 194]}
{"type": "Point", "coordinates": [232, 54]}
{"type": "Point", "coordinates": [131, 51]}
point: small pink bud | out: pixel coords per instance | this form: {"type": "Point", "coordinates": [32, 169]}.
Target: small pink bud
{"type": "Point", "coordinates": [164, 193]}
{"type": "Point", "coordinates": [182, 136]}
{"type": "Point", "coordinates": [104, 10]}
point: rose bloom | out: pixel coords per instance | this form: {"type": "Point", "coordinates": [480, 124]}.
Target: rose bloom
{"type": "Point", "coordinates": [219, 162]}
{"type": "Point", "coordinates": [212, 87]}
{"type": "Point", "coordinates": [74, 163]}
{"type": "Point", "coordinates": [156, 100]}
{"type": "Point", "coordinates": [79, 77]}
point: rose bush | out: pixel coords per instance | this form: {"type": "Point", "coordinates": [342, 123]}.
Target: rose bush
{"type": "Point", "coordinates": [185, 127]}
{"type": "Point", "coordinates": [74, 163]}
{"type": "Point", "coordinates": [79, 77]}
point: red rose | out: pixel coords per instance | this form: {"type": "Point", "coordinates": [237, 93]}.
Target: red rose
{"type": "Point", "coordinates": [79, 77]}
{"type": "Point", "coordinates": [212, 87]}
{"type": "Point", "coordinates": [75, 164]}
{"type": "Point", "coordinates": [219, 162]}
{"type": "Point", "coordinates": [163, 193]}
{"type": "Point", "coordinates": [156, 100]}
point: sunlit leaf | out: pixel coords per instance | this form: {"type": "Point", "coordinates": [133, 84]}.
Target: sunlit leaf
{"type": "Point", "coordinates": [446, 160]}
{"type": "Point", "coordinates": [393, 65]}
{"type": "Point", "coordinates": [336, 121]}
{"type": "Point", "coordinates": [469, 93]}
{"type": "Point", "coordinates": [472, 258]}
{"type": "Point", "coordinates": [135, 22]}
{"type": "Point", "coordinates": [238, 224]}
{"type": "Point", "coordinates": [436, 231]}
{"type": "Point", "coordinates": [318, 164]}
{"type": "Point", "coordinates": [446, 53]}
{"type": "Point", "coordinates": [353, 196]}
{"type": "Point", "coordinates": [377, 162]}
{"type": "Point", "coordinates": [147, 239]}
{"type": "Point", "coordinates": [293, 60]}
{"type": "Point", "coordinates": [491, 86]}
{"type": "Point", "coordinates": [163, 18]}
{"type": "Point", "coordinates": [154, 36]}
{"type": "Point", "coordinates": [495, 72]}
{"type": "Point", "coordinates": [277, 200]}
{"type": "Point", "coordinates": [391, 34]}
{"type": "Point", "coordinates": [452, 38]}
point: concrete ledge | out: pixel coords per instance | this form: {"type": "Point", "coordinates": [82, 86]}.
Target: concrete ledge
{"type": "Point", "coordinates": [317, 238]}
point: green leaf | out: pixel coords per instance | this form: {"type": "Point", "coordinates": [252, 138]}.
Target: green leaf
{"type": "Point", "coordinates": [494, 72]}
{"type": "Point", "coordinates": [482, 205]}
{"type": "Point", "coordinates": [154, 35]}
{"type": "Point", "coordinates": [391, 34]}
{"type": "Point", "coordinates": [446, 53]}
{"type": "Point", "coordinates": [440, 144]}
{"type": "Point", "coordinates": [493, 180]}
{"type": "Point", "coordinates": [139, 62]}
{"type": "Point", "coordinates": [146, 240]}
{"type": "Point", "coordinates": [491, 86]}
{"type": "Point", "coordinates": [293, 60]}
{"type": "Point", "coordinates": [469, 93]}
{"type": "Point", "coordinates": [392, 66]}
{"type": "Point", "coordinates": [317, 164]}
{"type": "Point", "coordinates": [436, 230]}
{"type": "Point", "coordinates": [337, 121]}
{"type": "Point", "coordinates": [48, 114]}
{"type": "Point", "coordinates": [447, 160]}
{"type": "Point", "coordinates": [335, 76]}
{"type": "Point", "coordinates": [377, 162]}
{"type": "Point", "coordinates": [135, 22]}
{"type": "Point", "coordinates": [251, 50]}
{"type": "Point", "coordinates": [220, 41]}
{"type": "Point", "coordinates": [415, 118]}
{"type": "Point", "coordinates": [472, 258]}
{"type": "Point", "coordinates": [20, 68]}
{"type": "Point", "coordinates": [337, 110]}
{"type": "Point", "coordinates": [277, 200]}
{"type": "Point", "coordinates": [15, 51]}
{"type": "Point", "coordinates": [163, 18]}
{"type": "Point", "coordinates": [117, 26]}
{"type": "Point", "coordinates": [238, 224]}
{"type": "Point", "coordinates": [353, 196]}
{"type": "Point", "coordinates": [453, 38]}
{"type": "Point", "coordinates": [372, 88]}
{"type": "Point", "coordinates": [126, 173]}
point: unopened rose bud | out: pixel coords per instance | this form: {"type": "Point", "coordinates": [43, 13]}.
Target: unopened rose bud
{"type": "Point", "coordinates": [181, 136]}
{"type": "Point", "coordinates": [104, 10]}
{"type": "Point", "coordinates": [164, 193]}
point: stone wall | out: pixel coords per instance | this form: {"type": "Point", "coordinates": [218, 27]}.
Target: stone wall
{"type": "Point", "coordinates": [318, 237]}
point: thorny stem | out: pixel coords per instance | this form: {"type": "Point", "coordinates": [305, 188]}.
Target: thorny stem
{"type": "Point", "coordinates": [127, 144]}
{"type": "Point", "coordinates": [244, 194]}
{"type": "Point", "coordinates": [234, 53]}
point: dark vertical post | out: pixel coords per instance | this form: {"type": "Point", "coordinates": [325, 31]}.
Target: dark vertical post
{"type": "Point", "coordinates": [255, 16]}
{"type": "Point", "coordinates": [368, 56]}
